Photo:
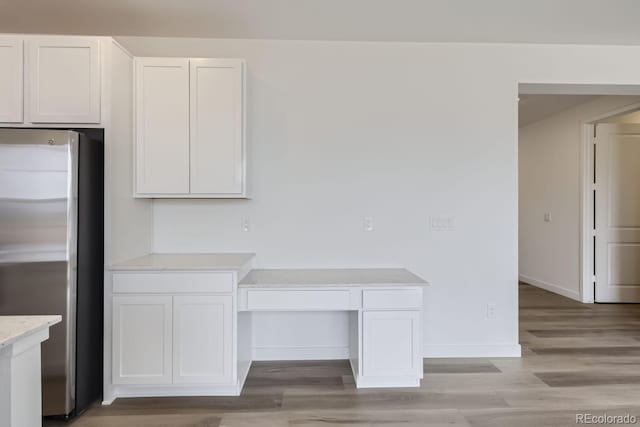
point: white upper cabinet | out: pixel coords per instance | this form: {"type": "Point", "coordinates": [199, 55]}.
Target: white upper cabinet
{"type": "Point", "coordinates": [216, 126]}
{"type": "Point", "coordinates": [195, 110]}
{"type": "Point", "coordinates": [11, 79]}
{"type": "Point", "coordinates": [63, 79]}
{"type": "Point", "coordinates": [162, 126]}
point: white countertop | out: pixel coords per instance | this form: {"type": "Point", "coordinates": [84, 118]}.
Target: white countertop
{"type": "Point", "coordinates": [213, 261]}
{"type": "Point", "coordinates": [14, 328]}
{"type": "Point", "coordinates": [368, 277]}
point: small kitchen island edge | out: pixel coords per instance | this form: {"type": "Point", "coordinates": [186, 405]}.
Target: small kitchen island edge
{"type": "Point", "coordinates": [20, 368]}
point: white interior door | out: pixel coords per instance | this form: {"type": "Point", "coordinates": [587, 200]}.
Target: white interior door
{"type": "Point", "coordinates": [617, 213]}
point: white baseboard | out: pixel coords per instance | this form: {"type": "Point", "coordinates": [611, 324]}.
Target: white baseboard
{"type": "Point", "coordinates": [300, 353]}
{"type": "Point", "coordinates": [167, 390]}
{"type": "Point", "coordinates": [382, 382]}
{"type": "Point", "coordinates": [471, 350]}
{"type": "Point", "coordinates": [243, 373]}
{"type": "Point", "coordinates": [574, 295]}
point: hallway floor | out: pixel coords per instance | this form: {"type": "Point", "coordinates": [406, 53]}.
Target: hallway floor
{"type": "Point", "coordinates": [576, 358]}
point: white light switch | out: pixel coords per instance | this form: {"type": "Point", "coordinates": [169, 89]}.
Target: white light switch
{"type": "Point", "coordinates": [367, 223]}
{"type": "Point", "coordinates": [245, 224]}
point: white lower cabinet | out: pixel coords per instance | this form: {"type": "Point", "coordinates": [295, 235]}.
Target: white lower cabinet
{"type": "Point", "coordinates": [202, 339]}
{"type": "Point", "coordinates": [391, 343]}
{"type": "Point", "coordinates": [142, 339]}
{"type": "Point", "coordinates": [173, 339]}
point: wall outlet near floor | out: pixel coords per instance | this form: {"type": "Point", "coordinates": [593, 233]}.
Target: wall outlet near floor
{"type": "Point", "coordinates": [547, 217]}
{"type": "Point", "coordinates": [367, 223]}
{"type": "Point", "coordinates": [491, 311]}
{"type": "Point", "coordinates": [245, 225]}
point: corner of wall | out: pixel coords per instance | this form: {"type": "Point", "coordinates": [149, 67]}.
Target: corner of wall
{"type": "Point", "coordinates": [556, 289]}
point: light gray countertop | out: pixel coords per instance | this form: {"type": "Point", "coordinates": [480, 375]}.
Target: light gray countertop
{"type": "Point", "coordinates": [367, 277]}
{"type": "Point", "coordinates": [201, 261]}
{"type": "Point", "coordinates": [14, 328]}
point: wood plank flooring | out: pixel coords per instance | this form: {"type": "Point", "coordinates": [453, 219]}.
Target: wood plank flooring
{"type": "Point", "coordinates": [576, 359]}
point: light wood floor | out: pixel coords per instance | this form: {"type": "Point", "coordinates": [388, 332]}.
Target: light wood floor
{"type": "Point", "coordinates": [576, 359]}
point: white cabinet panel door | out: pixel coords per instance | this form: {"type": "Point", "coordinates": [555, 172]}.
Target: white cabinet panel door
{"type": "Point", "coordinates": [63, 80]}
{"type": "Point", "coordinates": [142, 339]}
{"type": "Point", "coordinates": [617, 213]}
{"type": "Point", "coordinates": [162, 126]}
{"type": "Point", "coordinates": [203, 339]}
{"type": "Point", "coordinates": [11, 67]}
{"type": "Point", "coordinates": [217, 127]}
{"type": "Point", "coordinates": [391, 343]}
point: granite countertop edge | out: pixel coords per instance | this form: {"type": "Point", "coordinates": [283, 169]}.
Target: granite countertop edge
{"type": "Point", "coordinates": [20, 327]}
{"type": "Point", "coordinates": [330, 285]}
{"type": "Point", "coordinates": [185, 262]}
{"type": "Point", "coordinates": [405, 278]}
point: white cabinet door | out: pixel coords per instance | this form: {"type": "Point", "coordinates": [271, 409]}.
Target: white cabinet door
{"type": "Point", "coordinates": [203, 339]}
{"type": "Point", "coordinates": [217, 127]}
{"type": "Point", "coordinates": [11, 67]}
{"type": "Point", "coordinates": [391, 343]}
{"type": "Point", "coordinates": [142, 339]}
{"type": "Point", "coordinates": [63, 79]}
{"type": "Point", "coordinates": [162, 126]}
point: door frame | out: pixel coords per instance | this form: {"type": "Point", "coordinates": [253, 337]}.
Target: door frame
{"type": "Point", "coordinates": [587, 278]}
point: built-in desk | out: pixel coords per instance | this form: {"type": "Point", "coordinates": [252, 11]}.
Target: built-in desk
{"type": "Point", "coordinates": [385, 306]}
{"type": "Point", "coordinates": [181, 324]}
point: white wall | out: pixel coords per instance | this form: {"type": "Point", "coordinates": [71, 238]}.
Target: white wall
{"type": "Point", "coordinates": [633, 117]}
{"type": "Point", "coordinates": [550, 182]}
{"type": "Point", "coordinates": [398, 131]}
{"type": "Point", "coordinates": [128, 221]}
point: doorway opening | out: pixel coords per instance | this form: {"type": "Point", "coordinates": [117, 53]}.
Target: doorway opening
{"type": "Point", "coordinates": [579, 204]}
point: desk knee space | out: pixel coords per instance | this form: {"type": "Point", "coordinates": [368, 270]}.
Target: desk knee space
{"type": "Point", "coordinates": [385, 320]}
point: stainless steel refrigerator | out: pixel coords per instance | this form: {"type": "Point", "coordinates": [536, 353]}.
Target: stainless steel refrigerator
{"type": "Point", "coordinates": [51, 253]}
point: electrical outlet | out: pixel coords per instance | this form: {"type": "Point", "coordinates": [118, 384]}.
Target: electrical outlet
{"type": "Point", "coordinates": [367, 223]}
{"type": "Point", "coordinates": [547, 217]}
{"type": "Point", "coordinates": [491, 311]}
{"type": "Point", "coordinates": [443, 223]}
{"type": "Point", "coordinates": [245, 225]}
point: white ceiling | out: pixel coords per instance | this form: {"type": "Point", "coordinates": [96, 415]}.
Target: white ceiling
{"type": "Point", "coordinates": [533, 108]}
{"type": "Point", "coordinates": [527, 21]}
